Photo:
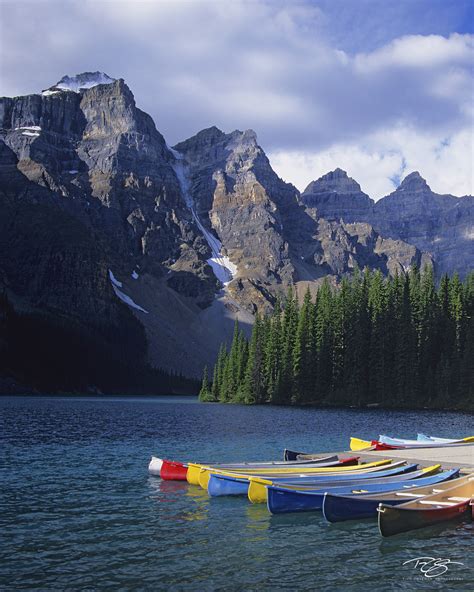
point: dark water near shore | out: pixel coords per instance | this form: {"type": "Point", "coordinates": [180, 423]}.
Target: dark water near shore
{"type": "Point", "coordinates": [80, 512]}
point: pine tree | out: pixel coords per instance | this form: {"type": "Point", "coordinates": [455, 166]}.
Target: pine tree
{"type": "Point", "coordinates": [205, 392]}
{"type": "Point", "coordinates": [290, 324]}
{"type": "Point", "coordinates": [301, 371]}
{"type": "Point", "coordinates": [396, 340]}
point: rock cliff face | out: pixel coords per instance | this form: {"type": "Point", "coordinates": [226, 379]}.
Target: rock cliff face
{"type": "Point", "coordinates": [336, 196]}
{"type": "Point", "coordinates": [441, 225]}
{"type": "Point", "coordinates": [100, 219]}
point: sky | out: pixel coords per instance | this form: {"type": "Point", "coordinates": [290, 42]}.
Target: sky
{"type": "Point", "coordinates": [379, 88]}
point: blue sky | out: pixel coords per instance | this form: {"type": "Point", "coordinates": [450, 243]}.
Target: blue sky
{"type": "Point", "coordinates": [377, 87]}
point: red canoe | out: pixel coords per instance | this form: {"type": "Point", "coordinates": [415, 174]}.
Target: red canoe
{"type": "Point", "coordinates": [177, 471]}
{"type": "Point", "coordinates": [173, 471]}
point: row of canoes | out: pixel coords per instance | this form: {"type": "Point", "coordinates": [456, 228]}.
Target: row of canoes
{"type": "Point", "coordinates": [422, 441]}
{"type": "Point", "coordinates": [399, 494]}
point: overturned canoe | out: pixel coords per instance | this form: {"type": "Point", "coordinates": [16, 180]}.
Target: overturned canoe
{"type": "Point", "coordinates": [199, 474]}
{"type": "Point", "coordinates": [338, 507]}
{"type": "Point", "coordinates": [449, 504]}
{"type": "Point", "coordinates": [257, 491]}
{"type": "Point", "coordinates": [282, 500]}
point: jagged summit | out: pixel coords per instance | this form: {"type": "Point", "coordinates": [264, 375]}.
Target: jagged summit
{"type": "Point", "coordinates": [336, 181]}
{"type": "Point", "coordinates": [79, 82]}
{"type": "Point", "coordinates": [413, 182]}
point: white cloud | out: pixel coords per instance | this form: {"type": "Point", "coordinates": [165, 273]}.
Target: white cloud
{"type": "Point", "coordinates": [267, 66]}
{"type": "Point", "coordinates": [380, 160]}
{"type": "Point", "coordinates": [418, 51]}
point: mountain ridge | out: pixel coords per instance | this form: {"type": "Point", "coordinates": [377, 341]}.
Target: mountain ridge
{"type": "Point", "coordinates": [169, 220]}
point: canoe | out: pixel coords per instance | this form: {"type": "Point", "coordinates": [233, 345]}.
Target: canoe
{"type": "Point", "coordinates": [177, 471]}
{"type": "Point", "coordinates": [338, 507]}
{"type": "Point", "coordinates": [220, 485]}
{"type": "Point", "coordinates": [198, 473]}
{"type": "Point", "coordinates": [282, 500]}
{"type": "Point", "coordinates": [434, 439]}
{"type": "Point", "coordinates": [155, 465]}
{"type": "Point", "coordinates": [332, 470]}
{"type": "Point", "coordinates": [257, 492]}
{"type": "Point", "coordinates": [357, 444]}
{"type": "Point", "coordinates": [292, 455]}
{"type": "Point", "coordinates": [449, 504]}
{"type": "Point", "coordinates": [402, 443]}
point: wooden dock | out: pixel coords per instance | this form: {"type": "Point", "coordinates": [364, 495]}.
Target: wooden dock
{"type": "Point", "coordinates": [450, 457]}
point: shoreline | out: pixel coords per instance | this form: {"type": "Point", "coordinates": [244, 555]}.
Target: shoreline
{"type": "Point", "coordinates": [321, 406]}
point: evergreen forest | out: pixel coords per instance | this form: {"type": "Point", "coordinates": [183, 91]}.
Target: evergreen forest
{"type": "Point", "coordinates": [400, 341]}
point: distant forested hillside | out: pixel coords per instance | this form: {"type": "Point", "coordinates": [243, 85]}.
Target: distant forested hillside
{"type": "Point", "coordinates": [43, 353]}
{"type": "Point", "coordinates": [400, 341]}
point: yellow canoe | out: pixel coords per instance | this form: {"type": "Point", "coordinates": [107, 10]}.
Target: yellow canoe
{"type": "Point", "coordinates": [199, 474]}
{"type": "Point", "coordinates": [358, 444]}
{"type": "Point", "coordinates": [257, 493]}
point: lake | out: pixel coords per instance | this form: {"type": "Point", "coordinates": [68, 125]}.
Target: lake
{"type": "Point", "coordinates": [80, 511]}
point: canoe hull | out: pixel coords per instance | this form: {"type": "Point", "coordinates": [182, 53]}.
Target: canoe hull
{"type": "Point", "coordinates": [155, 465]}
{"type": "Point", "coordinates": [338, 508]}
{"type": "Point", "coordinates": [257, 492]}
{"type": "Point", "coordinates": [311, 500]}
{"type": "Point", "coordinates": [395, 519]}
{"type": "Point", "coordinates": [220, 485]}
{"type": "Point", "coordinates": [173, 471]}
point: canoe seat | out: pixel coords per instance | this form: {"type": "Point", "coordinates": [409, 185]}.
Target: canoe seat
{"type": "Point", "coordinates": [408, 494]}
{"type": "Point", "coordinates": [458, 499]}
{"type": "Point", "coordinates": [433, 503]}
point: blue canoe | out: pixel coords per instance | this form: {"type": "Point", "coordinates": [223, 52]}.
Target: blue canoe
{"type": "Point", "coordinates": [226, 485]}
{"type": "Point", "coordinates": [337, 507]}
{"type": "Point", "coordinates": [281, 500]}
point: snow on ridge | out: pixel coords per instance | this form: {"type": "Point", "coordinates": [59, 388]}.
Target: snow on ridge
{"type": "Point", "coordinates": [222, 266]}
{"type": "Point", "coordinates": [79, 82]}
{"type": "Point", "coordinates": [135, 275]}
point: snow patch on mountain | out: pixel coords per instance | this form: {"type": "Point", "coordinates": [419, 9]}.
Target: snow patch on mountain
{"type": "Point", "coordinates": [79, 82]}
{"type": "Point", "coordinates": [221, 265]}
{"type": "Point", "coordinates": [116, 285]}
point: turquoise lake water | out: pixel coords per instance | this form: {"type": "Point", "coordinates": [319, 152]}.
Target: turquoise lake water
{"type": "Point", "coordinates": [79, 510]}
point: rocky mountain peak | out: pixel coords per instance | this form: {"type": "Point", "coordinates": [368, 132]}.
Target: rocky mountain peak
{"type": "Point", "coordinates": [414, 182]}
{"type": "Point", "coordinates": [336, 181]}
{"type": "Point", "coordinates": [79, 82]}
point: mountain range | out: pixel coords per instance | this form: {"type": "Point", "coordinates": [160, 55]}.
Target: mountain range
{"type": "Point", "coordinates": [102, 224]}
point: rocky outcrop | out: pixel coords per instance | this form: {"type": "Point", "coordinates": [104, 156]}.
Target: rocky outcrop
{"type": "Point", "coordinates": [336, 196]}
{"type": "Point", "coordinates": [253, 212]}
{"type": "Point", "coordinates": [441, 225]}
{"type": "Point", "coordinates": [105, 161]}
